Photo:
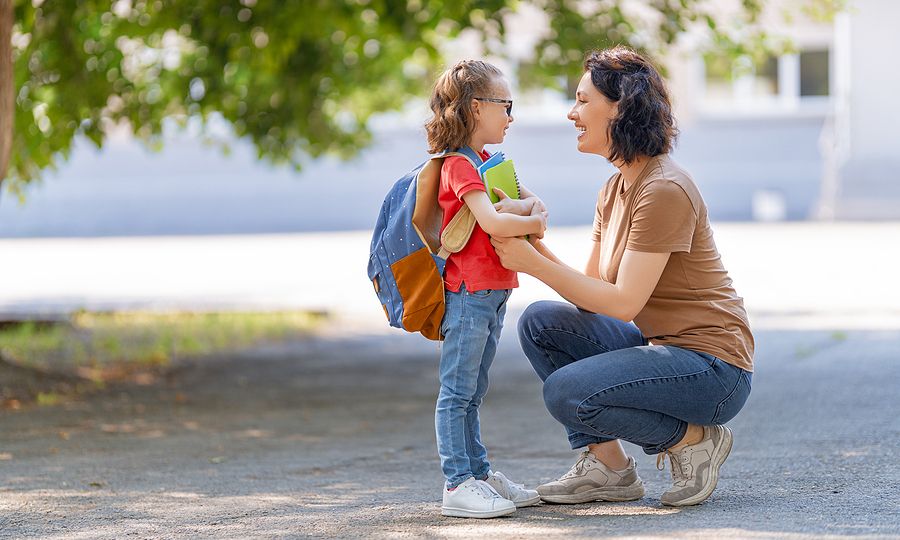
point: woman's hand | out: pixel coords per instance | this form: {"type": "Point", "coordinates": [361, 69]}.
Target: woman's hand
{"type": "Point", "coordinates": [516, 254]}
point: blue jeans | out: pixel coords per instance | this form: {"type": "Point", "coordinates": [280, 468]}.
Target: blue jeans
{"type": "Point", "coordinates": [471, 328]}
{"type": "Point", "coordinates": [603, 382]}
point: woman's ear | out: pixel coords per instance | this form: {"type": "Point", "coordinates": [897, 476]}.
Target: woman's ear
{"type": "Point", "coordinates": [476, 112]}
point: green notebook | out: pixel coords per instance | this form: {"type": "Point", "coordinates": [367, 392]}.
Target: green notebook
{"type": "Point", "coordinates": [504, 177]}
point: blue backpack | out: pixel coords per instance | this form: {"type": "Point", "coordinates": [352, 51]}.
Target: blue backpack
{"type": "Point", "coordinates": [409, 252]}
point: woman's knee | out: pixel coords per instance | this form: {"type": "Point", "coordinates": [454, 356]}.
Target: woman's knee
{"type": "Point", "coordinates": [536, 318]}
{"type": "Point", "coordinates": [732, 405]}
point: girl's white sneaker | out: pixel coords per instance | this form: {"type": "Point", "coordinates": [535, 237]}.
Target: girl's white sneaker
{"type": "Point", "coordinates": [475, 499]}
{"type": "Point", "coordinates": [517, 493]}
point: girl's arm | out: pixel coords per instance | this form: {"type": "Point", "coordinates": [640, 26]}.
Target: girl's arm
{"type": "Point", "coordinates": [502, 224]}
{"type": "Point", "coordinates": [526, 204]}
{"type": "Point", "coordinates": [526, 194]}
{"type": "Point", "coordinates": [639, 273]}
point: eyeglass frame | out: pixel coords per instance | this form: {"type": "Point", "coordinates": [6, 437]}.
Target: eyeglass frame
{"type": "Point", "coordinates": [507, 102]}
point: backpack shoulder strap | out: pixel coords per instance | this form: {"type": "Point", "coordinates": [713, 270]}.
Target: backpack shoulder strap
{"type": "Point", "coordinates": [457, 233]}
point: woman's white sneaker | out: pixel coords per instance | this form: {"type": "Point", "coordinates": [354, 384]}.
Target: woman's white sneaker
{"type": "Point", "coordinates": [517, 493]}
{"type": "Point", "coordinates": [475, 499]}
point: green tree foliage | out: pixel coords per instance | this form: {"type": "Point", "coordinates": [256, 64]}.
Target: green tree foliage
{"type": "Point", "coordinates": [298, 78]}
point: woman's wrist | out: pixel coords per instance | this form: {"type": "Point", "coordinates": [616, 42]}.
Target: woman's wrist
{"type": "Point", "coordinates": [540, 266]}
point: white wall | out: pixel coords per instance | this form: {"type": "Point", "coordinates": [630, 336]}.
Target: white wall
{"type": "Point", "coordinates": [866, 139]}
{"type": "Point", "coordinates": [875, 80]}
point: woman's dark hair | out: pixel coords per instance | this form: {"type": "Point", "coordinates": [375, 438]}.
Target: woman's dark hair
{"type": "Point", "coordinates": [644, 124]}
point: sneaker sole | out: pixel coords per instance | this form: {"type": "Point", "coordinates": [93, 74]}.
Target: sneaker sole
{"type": "Point", "coordinates": [528, 502]}
{"type": "Point", "coordinates": [615, 494]}
{"type": "Point", "coordinates": [463, 513]}
{"type": "Point", "coordinates": [718, 459]}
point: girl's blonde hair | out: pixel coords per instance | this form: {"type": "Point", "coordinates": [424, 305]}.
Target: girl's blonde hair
{"type": "Point", "coordinates": [451, 102]}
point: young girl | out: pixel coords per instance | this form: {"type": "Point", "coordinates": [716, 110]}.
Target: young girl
{"type": "Point", "coordinates": [472, 107]}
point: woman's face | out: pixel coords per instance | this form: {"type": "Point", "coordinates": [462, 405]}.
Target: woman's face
{"type": "Point", "coordinates": [592, 113]}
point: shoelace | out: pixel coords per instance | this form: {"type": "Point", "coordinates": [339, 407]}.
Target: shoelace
{"type": "Point", "coordinates": [679, 466]}
{"type": "Point", "coordinates": [485, 490]}
{"type": "Point", "coordinates": [578, 468]}
{"type": "Point", "coordinates": [512, 486]}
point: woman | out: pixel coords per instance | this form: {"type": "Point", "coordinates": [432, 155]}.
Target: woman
{"type": "Point", "coordinates": [668, 380]}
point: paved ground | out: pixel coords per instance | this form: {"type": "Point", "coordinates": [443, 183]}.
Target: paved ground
{"type": "Point", "coordinates": [333, 437]}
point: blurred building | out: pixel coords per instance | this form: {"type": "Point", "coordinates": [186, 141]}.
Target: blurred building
{"type": "Point", "coordinates": [831, 99]}
{"type": "Point", "coordinates": [809, 134]}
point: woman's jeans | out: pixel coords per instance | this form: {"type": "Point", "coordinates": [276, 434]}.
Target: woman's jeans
{"type": "Point", "coordinates": [603, 382]}
{"type": "Point", "coordinates": [471, 328]}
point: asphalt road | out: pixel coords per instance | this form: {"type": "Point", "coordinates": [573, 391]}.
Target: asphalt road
{"type": "Point", "coordinates": [333, 437]}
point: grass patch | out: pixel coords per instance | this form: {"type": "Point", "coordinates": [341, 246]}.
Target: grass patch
{"type": "Point", "coordinates": [93, 343]}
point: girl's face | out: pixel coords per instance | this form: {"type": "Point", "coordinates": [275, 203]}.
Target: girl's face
{"type": "Point", "coordinates": [592, 113]}
{"type": "Point", "coordinates": [491, 119]}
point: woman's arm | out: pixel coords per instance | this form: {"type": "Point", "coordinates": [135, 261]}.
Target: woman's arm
{"type": "Point", "coordinates": [542, 248]}
{"type": "Point", "coordinates": [503, 225]}
{"type": "Point", "coordinates": [593, 264]}
{"type": "Point", "coordinates": [638, 275]}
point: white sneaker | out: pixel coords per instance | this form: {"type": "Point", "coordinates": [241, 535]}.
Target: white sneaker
{"type": "Point", "coordinates": [514, 492]}
{"type": "Point", "coordinates": [475, 499]}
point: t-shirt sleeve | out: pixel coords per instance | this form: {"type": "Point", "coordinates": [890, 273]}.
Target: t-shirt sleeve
{"type": "Point", "coordinates": [461, 177]}
{"type": "Point", "coordinates": [663, 221]}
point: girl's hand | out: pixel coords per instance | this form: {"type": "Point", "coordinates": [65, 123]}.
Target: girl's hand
{"type": "Point", "coordinates": [527, 195]}
{"type": "Point", "coordinates": [515, 254]}
{"type": "Point", "coordinates": [511, 206]}
{"type": "Point", "coordinates": [535, 211]}
{"type": "Point", "coordinates": [537, 205]}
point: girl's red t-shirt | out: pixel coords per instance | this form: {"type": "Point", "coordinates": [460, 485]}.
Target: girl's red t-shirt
{"type": "Point", "coordinates": [477, 265]}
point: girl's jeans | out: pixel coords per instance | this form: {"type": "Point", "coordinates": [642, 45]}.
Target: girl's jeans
{"type": "Point", "coordinates": [471, 328]}
{"type": "Point", "coordinates": [603, 382]}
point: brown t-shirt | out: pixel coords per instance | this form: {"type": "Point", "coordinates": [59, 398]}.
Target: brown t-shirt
{"type": "Point", "coordinates": [694, 304]}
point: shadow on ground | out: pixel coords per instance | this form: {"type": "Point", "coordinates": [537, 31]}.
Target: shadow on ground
{"type": "Point", "coordinates": [334, 437]}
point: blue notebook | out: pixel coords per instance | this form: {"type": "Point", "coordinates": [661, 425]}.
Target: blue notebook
{"type": "Point", "coordinates": [495, 159]}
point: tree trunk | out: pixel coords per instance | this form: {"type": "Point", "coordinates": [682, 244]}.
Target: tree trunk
{"type": "Point", "coordinates": [7, 86]}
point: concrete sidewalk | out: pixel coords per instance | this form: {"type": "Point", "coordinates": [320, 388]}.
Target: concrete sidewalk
{"type": "Point", "coordinates": [792, 275]}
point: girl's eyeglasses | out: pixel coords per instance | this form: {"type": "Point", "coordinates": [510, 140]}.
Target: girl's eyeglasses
{"type": "Point", "coordinates": [507, 102]}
